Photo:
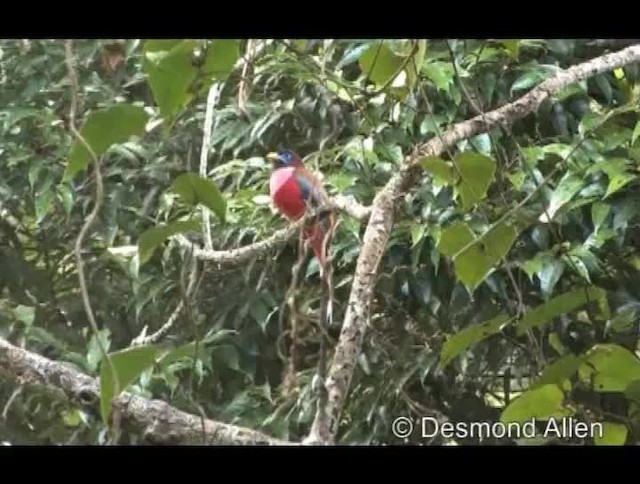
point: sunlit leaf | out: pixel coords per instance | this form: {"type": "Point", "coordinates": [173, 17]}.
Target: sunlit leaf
{"type": "Point", "coordinates": [151, 238]}
{"type": "Point", "coordinates": [467, 337]}
{"type": "Point", "coordinates": [541, 403]}
{"type": "Point", "coordinates": [194, 189]}
{"type": "Point", "coordinates": [128, 365]}
{"type": "Point", "coordinates": [102, 129]}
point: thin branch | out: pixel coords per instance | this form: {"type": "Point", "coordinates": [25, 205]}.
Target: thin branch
{"type": "Point", "coordinates": [276, 240]}
{"type": "Point", "coordinates": [381, 220]}
{"type": "Point", "coordinates": [73, 76]}
{"type": "Point", "coordinates": [157, 421]}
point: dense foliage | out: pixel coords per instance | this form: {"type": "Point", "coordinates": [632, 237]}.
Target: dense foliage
{"type": "Point", "coordinates": [509, 288]}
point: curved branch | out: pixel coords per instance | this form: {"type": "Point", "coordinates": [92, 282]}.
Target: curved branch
{"type": "Point", "coordinates": [279, 238]}
{"type": "Point", "coordinates": [381, 221]}
{"type": "Point", "coordinates": [157, 421]}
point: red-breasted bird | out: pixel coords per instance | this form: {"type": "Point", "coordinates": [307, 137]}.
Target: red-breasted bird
{"type": "Point", "coordinates": [294, 189]}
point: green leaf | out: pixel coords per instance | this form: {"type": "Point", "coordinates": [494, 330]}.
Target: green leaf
{"type": "Point", "coordinates": [352, 55]}
{"type": "Point", "coordinates": [550, 274]}
{"type": "Point", "coordinates": [636, 133]}
{"type": "Point", "coordinates": [474, 260]}
{"type": "Point", "coordinates": [171, 72]}
{"type": "Point", "coordinates": [591, 122]}
{"type": "Point", "coordinates": [380, 64]}
{"type": "Point", "coordinates": [102, 129]}
{"type": "Point", "coordinates": [25, 314]}
{"type": "Point", "coordinates": [530, 79]}
{"type": "Point", "coordinates": [386, 66]}
{"type": "Point", "coordinates": [128, 365]}
{"type": "Point", "coordinates": [560, 370]}
{"type": "Point", "coordinates": [616, 170]}
{"type": "Point", "coordinates": [612, 434]}
{"type": "Point", "coordinates": [94, 354]}
{"type": "Point", "coordinates": [512, 46]}
{"type": "Point", "coordinates": [605, 87]}
{"type": "Point", "coordinates": [632, 392]}
{"type": "Point", "coordinates": [194, 189]}
{"type": "Point", "coordinates": [559, 305]}
{"type": "Point", "coordinates": [541, 403]}
{"type": "Point", "coordinates": [569, 185]}
{"type": "Point", "coordinates": [184, 351]}
{"type": "Point", "coordinates": [221, 57]}
{"type": "Point", "coordinates": [443, 172]}
{"type": "Point", "coordinates": [476, 173]}
{"type": "Point", "coordinates": [440, 73]}
{"type": "Point", "coordinates": [599, 212]}
{"type": "Point", "coordinates": [610, 368]}
{"type": "Point", "coordinates": [151, 238]}
{"type": "Point", "coordinates": [464, 339]}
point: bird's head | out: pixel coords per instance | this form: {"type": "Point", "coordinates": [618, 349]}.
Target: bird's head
{"type": "Point", "coordinates": [284, 159]}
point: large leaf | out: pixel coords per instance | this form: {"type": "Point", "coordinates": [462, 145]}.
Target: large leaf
{"type": "Point", "coordinates": [392, 68]}
{"type": "Point", "coordinates": [128, 365]}
{"type": "Point", "coordinates": [616, 170]}
{"type": "Point", "coordinates": [541, 403]}
{"type": "Point", "coordinates": [569, 185]}
{"type": "Point", "coordinates": [610, 368]}
{"type": "Point", "coordinates": [221, 57]}
{"type": "Point", "coordinates": [476, 172]}
{"type": "Point", "coordinates": [559, 305]}
{"type": "Point", "coordinates": [612, 434]}
{"type": "Point", "coordinates": [475, 258]}
{"type": "Point", "coordinates": [102, 129]}
{"type": "Point", "coordinates": [171, 72]}
{"type": "Point", "coordinates": [464, 339]}
{"type": "Point", "coordinates": [560, 370]}
{"type": "Point", "coordinates": [194, 189]}
{"type": "Point", "coordinates": [442, 171]}
{"type": "Point", "coordinates": [153, 237]}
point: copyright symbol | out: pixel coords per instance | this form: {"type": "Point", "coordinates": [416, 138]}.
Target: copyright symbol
{"type": "Point", "coordinates": [402, 427]}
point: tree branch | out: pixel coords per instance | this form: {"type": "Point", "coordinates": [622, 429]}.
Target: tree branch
{"type": "Point", "coordinates": [279, 238]}
{"type": "Point", "coordinates": [381, 220]}
{"type": "Point", "coordinates": [157, 421]}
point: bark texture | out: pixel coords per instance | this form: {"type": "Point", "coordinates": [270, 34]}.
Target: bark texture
{"type": "Point", "coordinates": [157, 421]}
{"type": "Point", "coordinates": [326, 425]}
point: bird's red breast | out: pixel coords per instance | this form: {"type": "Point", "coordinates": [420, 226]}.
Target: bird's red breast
{"type": "Point", "coordinates": [293, 189]}
{"type": "Point", "coordinates": [286, 193]}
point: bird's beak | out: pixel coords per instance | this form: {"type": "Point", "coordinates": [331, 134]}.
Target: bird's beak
{"type": "Point", "coordinates": [272, 157]}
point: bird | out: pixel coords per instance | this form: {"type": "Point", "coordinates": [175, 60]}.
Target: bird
{"type": "Point", "coordinates": [293, 190]}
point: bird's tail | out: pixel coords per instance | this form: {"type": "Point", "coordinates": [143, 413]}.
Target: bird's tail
{"type": "Point", "coordinates": [319, 236]}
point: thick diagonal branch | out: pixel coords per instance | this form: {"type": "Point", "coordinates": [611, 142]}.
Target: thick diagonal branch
{"type": "Point", "coordinates": [381, 221]}
{"type": "Point", "coordinates": [157, 421]}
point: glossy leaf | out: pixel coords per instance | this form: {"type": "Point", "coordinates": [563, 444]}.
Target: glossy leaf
{"type": "Point", "coordinates": [102, 129]}
{"type": "Point", "coordinates": [476, 173]}
{"type": "Point", "coordinates": [562, 304]}
{"type": "Point", "coordinates": [171, 73]}
{"type": "Point", "coordinates": [128, 365]}
{"type": "Point", "coordinates": [221, 57]}
{"type": "Point", "coordinates": [474, 258]}
{"type": "Point", "coordinates": [442, 171]}
{"type": "Point", "coordinates": [541, 403]}
{"type": "Point", "coordinates": [636, 133]}
{"type": "Point", "coordinates": [194, 190]}
{"type": "Point", "coordinates": [153, 237]}
{"type": "Point", "coordinates": [613, 433]}
{"type": "Point", "coordinates": [467, 337]}
{"type": "Point", "coordinates": [560, 370]}
{"type": "Point", "coordinates": [567, 188]}
{"type": "Point", "coordinates": [610, 368]}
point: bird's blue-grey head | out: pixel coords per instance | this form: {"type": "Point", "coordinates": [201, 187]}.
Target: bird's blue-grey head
{"type": "Point", "coordinates": [284, 158]}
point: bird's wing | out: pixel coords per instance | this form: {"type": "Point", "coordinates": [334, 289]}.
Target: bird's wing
{"type": "Point", "coordinates": [311, 190]}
